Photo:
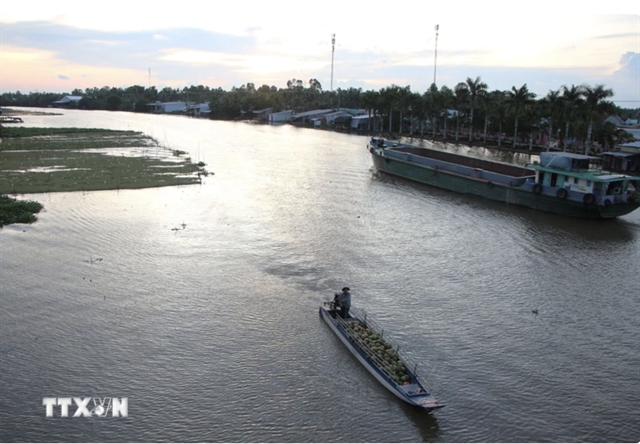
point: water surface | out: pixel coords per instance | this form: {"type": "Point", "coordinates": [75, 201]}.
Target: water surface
{"type": "Point", "coordinates": [199, 303]}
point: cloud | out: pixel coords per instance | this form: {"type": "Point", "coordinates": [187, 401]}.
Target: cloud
{"type": "Point", "coordinates": [630, 65]}
{"type": "Point", "coordinates": [101, 48]}
{"type": "Point", "coordinates": [63, 77]}
{"type": "Point", "coordinates": [625, 81]}
{"type": "Point", "coordinates": [255, 42]}
{"type": "Point", "coordinates": [626, 35]}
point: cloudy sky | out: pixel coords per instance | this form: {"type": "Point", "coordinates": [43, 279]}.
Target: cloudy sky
{"type": "Point", "coordinates": [61, 45]}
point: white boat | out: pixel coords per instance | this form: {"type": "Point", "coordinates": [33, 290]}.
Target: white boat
{"type": "Point", "coordinates": [379, 356]}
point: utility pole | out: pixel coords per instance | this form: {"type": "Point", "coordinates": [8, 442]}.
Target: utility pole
{"type": "Point", "coordinates": [435, 59]}
{"type": "Point", "coordinates": [333, 48]}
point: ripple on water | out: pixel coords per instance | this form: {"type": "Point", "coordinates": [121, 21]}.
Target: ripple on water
{"type": "Point", "coordinates": [212, 330]}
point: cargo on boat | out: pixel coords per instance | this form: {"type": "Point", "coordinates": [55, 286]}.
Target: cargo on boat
{"type": "Point", "coordinates": [561, 183]}
{"type": "Point", "coordinates": [379, 356]}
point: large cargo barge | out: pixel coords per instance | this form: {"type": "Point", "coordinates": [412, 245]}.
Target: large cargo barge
{"type": "Point", "coordinates": [561, 183]}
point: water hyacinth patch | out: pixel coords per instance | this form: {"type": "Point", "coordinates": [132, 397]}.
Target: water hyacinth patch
{"type": "Point", "coordinates": [42, 160]}
{"type": "Point", "coordinates": [13, 211]}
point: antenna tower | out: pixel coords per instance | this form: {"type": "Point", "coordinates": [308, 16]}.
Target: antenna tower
{"type": "Point", "coordinates": [435, 59]}
{"type": "Point", "coordinates": [333, 48]}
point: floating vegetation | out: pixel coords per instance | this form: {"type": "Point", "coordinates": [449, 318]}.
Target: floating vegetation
{"type": "Point", "coordinates": [42, 160]}
{"type": "Point", "coordinates": [13, 211]}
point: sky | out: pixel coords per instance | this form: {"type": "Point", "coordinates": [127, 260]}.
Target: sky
{"type": "Point", "coordinates": [58, 46]}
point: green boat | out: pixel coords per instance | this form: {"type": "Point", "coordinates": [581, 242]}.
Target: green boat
{"type": "Point", "coordinates": [561, 183]}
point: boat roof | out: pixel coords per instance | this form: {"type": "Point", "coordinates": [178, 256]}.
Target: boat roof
{"type": "Point", "coordinates": [593, 175]}
{"type": "Point", "coordinates": [618, 154]}
{"type": "Point", "coordinates": [570, 155]}
{"type": "Point", "coordinates": [608, 177]}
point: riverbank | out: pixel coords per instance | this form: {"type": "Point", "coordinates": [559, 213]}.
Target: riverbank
{"type": "Point", "coordinates": [463, 140]}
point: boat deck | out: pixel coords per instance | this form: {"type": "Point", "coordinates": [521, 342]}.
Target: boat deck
{"type": "Point", "coordinates": [471, 162]}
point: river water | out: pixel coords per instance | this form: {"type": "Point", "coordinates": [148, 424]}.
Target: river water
{"type": "Point", "coordinates": [200, 303]}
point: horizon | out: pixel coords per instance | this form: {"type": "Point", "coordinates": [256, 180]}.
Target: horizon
{"type": "Point", "coordinates": [61, 46]}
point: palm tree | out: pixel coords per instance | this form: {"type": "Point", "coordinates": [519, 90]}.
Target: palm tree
{"type": "Point", "coordinates": [461, 94]}
{"type": "Point", "coordinates": [476, 89]}
{"type": "Point", "coordinates": [403, 96]}
{"type": "Point", "coordinates": [595, 103]}
{"type": "Point", "coordinates": [533, 117]}
{"type": "Point", "coordinates": [517, 101]}
{"type": "Point", "coordinates": [370, 103]}
{"type": "Point", "coordinates": [500, 112]}
{"type": "Point", "coordinates": [571, 101]}
{"type": "Point", "coordinates": [553, 102]}
{"type": "Point", "coordinates": [445, 98]}
{"type": "Point", "coordinates": [432, 103]}
{"type": "Point", "coordinates": [389, 97]}
{"type": "Point", "coordinates": [489, 102]}
{"type": "Point", "coordinates": [417, 110]}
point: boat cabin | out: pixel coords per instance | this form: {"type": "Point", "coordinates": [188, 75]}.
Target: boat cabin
{"type": "Point", "coordinates": [621, 162]}
{"type": "Point", "coordinates": [572, 173]}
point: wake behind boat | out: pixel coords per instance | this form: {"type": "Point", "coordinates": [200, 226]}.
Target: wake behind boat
{"type": "Point", "coordinates": [561, 183]}
{"type": "Point", "coordinates": [384, 361]}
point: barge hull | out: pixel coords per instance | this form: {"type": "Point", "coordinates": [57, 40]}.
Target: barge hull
{"type": "Point", "coordinates": [520, 194]}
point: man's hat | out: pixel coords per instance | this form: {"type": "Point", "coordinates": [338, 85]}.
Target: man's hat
{"type": "Point", "coordinates": [346, 289]}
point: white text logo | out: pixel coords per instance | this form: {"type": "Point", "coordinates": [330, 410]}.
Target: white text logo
{"type": "Point", "coordinates": [87, 407]}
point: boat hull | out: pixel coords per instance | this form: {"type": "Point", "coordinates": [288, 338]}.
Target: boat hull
{"type": "Point", "coordinates": [426, 401]}
{"type": "Point", "coordinates": [521, 195]}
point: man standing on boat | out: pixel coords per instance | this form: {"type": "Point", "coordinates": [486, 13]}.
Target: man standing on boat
{"type": "Point", "coordinates": [344, 301]}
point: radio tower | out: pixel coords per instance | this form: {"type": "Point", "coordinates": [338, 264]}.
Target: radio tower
{"type": "Point", "coordinates": [333, 49]}
{"type": "Point", "coordinates": [435, 59]}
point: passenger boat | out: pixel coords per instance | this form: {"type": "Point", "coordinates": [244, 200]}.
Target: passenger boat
{"type": "Point", "coordinates": [379, 356]}
{"type": "Point", "coordinates": [561, 183]}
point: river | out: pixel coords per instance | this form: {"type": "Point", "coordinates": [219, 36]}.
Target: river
{"type": "Point", "coordinates": [200, 303]}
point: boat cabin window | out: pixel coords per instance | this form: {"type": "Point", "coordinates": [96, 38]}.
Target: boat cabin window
{"type": "Point", "coordinates": [580, 164]}
{"type": "Point", "coordinates": [616, 187]}
{"type": "Point", "coordinates": [554, 179]}
{"type": "Point", "coordinates": [541, 178]}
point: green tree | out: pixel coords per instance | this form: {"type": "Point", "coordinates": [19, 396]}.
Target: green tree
{"type": "Point", "coordinates": [552, 108]}
{"type": "Point", "coordinates": [571, 102]}
{"type": "Point", "coordinates": [315, 85]}
{"type": "Point", "coordinates": [113, 103]}
{"type": "Point", "coordinates": [370, 102]}
{"type": "Point", "coordinates": [444, 100]}
{"type": "Point", "coordinates": [461, 95]}
{"type": "Point", "coordinates": [519, 100]}
{"type": "Point", "coordinates": [476, 88]}
{"type": "Point", "coordinates": [595, 105]}
{"type": "Point", "coordinates": [389, 98]}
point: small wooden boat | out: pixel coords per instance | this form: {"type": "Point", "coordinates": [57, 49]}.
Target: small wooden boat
{"type": "Point", "coordinates": [379, 356]}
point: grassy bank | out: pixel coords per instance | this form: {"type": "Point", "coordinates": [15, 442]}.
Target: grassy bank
{"type": "Point", "coordinates": [47, 160]}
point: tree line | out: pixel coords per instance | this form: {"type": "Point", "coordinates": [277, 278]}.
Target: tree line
{"type": "Point", "coordinates": [571, 116]}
